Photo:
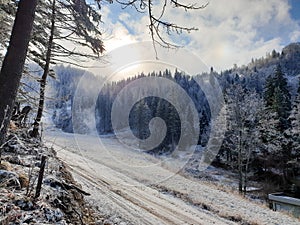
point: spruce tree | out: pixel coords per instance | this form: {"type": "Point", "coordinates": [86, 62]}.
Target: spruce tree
{"type": "Point", "coordinates": [278, 98]}
{"type": "Point", "coordinates": [80, 29]}
{"type": "Point", "coordinates": [14, 60]}
{"type": "Point", "coordinates": [274, 132]}
{"type": "Point", "coordinates": [7, 10]}
{"type": "Point", "coordinates": [295, 125]}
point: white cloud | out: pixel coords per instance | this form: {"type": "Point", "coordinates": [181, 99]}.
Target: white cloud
{"type": "Point", "coordinates": [120, 36]}
{"type": "Point", "coordinates": [295, 36]}
{"type": "Point", "coordinates": [229, 31]}
{"type": "Point", "coordinates": [124, 17]}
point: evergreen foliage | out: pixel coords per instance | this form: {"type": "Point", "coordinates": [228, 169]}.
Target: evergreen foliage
{"type": "Point", "coordinates": [278, 97]}
{"type": "Point", "coordinates": [262, 113]}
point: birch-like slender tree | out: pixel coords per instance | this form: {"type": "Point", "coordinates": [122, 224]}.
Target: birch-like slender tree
{"type": "Point", "coordinates": [244, 112]}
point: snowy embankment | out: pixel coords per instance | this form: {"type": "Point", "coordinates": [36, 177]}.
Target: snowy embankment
{"type": "Point", "coordinates": [131, 187]}
{"type": "Point", "coordinates": [57, 200]}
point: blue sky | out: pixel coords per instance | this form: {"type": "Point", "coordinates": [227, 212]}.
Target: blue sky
{"type": "Point", "coordinates": [230, 32]}
{"type": "Point", "coordinates": [295, 10]}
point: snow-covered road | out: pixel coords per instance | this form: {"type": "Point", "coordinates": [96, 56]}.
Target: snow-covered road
{"type": "Point", "coordinates": [131, 187]}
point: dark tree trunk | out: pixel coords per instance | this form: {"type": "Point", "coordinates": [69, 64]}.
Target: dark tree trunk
{"type": "Point", "coordinates": [40, 179]}
{"type": "Point", "coordinates": [43, 80]}
{"type": "Point", "coordinates": [240, 161]}
{"type": "Point", "coordinates": [14, 60]}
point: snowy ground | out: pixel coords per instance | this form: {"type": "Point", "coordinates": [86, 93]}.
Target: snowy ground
{"type": "Point", "coordinates": [60, 201]}
{"type": "Point", "coordinates": [131, 187]}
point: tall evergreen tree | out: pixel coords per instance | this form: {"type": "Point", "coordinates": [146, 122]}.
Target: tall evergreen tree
{"type": "Point", "coordinates": [13, 63]}
{"type": "Point", "coordinates": [143, 116]}
{"type": "Point", "coordinates": [81, 31]}
{"type": "Point", "coordinates": [295, 125]}
{"type": "Point", "coordinates": [275, 134]}
{"type": "Point", "coordinates": [278, 98]}
{"type": "Point", "coordinates": [7, 10]}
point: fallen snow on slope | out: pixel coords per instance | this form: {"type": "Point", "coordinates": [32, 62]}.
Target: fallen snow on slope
{"type": "Point", "coordinates": [132, 187]}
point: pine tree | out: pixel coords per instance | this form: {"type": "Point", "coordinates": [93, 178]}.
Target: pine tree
{"type": "Point", "coordinates": [13, 63]}
{"type": "Point", "coordinates": [174, 123]}
{"type": "Point", "coordinates": [278, 98]}
{"type": "Point", "coordinates": [143, 119]}
{"type": "Point", "coordinates": [275, 134]}
{"type": "Point", "coordinates": [82, 31]}
{"type": "Point", "coordinates": [7, 10]}
{"type": "Point", "coordinates": [295, 125]}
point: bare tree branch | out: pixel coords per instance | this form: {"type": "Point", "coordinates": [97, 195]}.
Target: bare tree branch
{"type": "Point", "coordinates": [157, 24]}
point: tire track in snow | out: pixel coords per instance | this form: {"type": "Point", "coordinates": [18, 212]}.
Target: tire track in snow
{"type": "Point", "coordinates": [188, 194]}
{"type": "Point", "coordinates": [146, 204]}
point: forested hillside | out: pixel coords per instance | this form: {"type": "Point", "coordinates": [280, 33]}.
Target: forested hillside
{"type": "Point", "coordinates": [262, 100]}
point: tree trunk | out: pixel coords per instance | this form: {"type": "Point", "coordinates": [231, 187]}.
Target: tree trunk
{"type": "Point", "coordinates": [247, 171]}
{"type": "Point", "coordinates": [240, 161]}
{"type": "Point", "coordinates": [43, 80]}
{"type": "Point", "coordinates": [240, 176]}
{"type": "Point", "coordinates": [13, 63]}
{"type": "Point", "coordinates": [40, 178]}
